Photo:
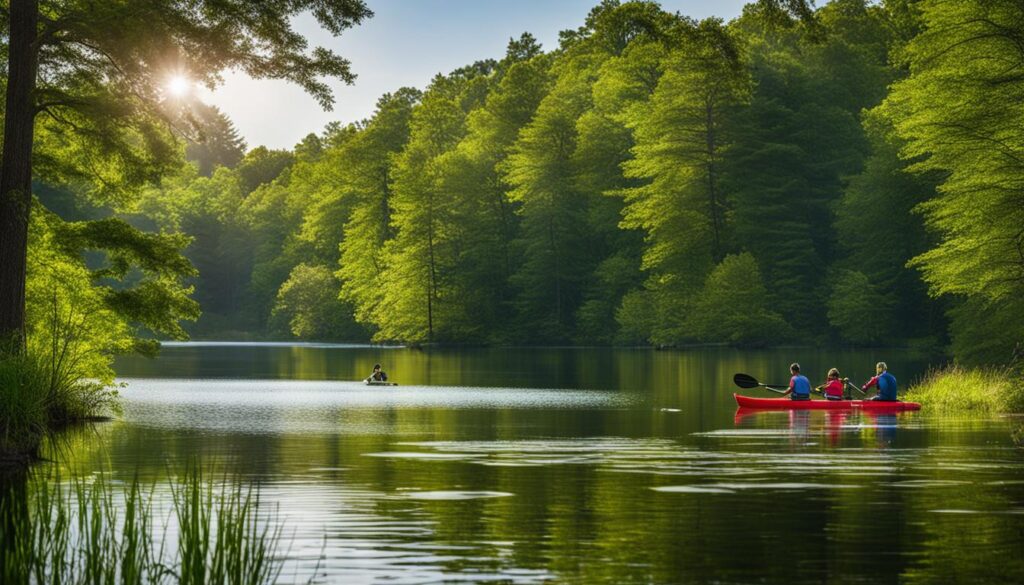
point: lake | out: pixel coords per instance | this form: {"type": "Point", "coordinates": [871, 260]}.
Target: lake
{"type": "Point", "coordinates": [574, 465]}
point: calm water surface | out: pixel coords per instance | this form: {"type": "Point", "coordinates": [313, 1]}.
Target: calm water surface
{"type": "Point", "coordinates": [574, 466]}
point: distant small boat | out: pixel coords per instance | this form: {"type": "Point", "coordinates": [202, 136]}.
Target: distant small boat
{"type": "Point", "coordinates": [378, 383]}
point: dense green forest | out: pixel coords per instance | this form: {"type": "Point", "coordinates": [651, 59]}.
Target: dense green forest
{"type": "Point", "coordinates": [851, 177]}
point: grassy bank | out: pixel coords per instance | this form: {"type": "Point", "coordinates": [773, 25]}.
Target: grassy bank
{"type": "Point", "coordinates": [958, 389]}
{"type": "Point", "coordinates": [36, 396]}
{"type": "Point", "coordinates": [97, 532]}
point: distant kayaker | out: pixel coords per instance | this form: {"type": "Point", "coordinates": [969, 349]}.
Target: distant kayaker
{"type": "Point", "coordinates": [799, 385]}
{"type": "Point", "coordinates": [884, 381]}
{"type": "Point", "coordinates": [833, 388]}
{"type": "Point", "coordinates": [378, 375]}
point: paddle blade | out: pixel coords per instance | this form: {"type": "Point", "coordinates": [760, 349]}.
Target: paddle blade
{"type": "Point", "coordinates": [745, 381]}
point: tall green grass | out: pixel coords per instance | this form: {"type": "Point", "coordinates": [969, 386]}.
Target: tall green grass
{"type": "Point", "coordinates": [958, 389]}
{"type": "Point", "coordinates": [97, 532]}
{"type": "Point", "coordinates": [24, 403]}
{"type": "Point", "coordinates": [38, 394]}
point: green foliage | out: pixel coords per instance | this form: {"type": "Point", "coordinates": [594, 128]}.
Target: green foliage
{"type": "Point", "coordinates": [960, 390]}
{"type": "Point", "coordinates": [857, 309]}
{"type": "Point", "coordinates": [360, 169]}
{"type": "Point", "coordinates": [681, 138]}
{"type": "Point", "coordinates": [601, 192]}
{"type": "Point", "coordinates": [24, 400]}
{"type": "Point", "coordinates": [879, 232]}
{"type": "Point", "coordinates": [261, 166]}
{"type": "Point", "coordinates": [957, 113]}
{"type": "Point", "coordinates": [733, 306]}
{"type": "Point", "coordinates": [213, 140]}
{"type": "Point", "coordinates": [308, 302]}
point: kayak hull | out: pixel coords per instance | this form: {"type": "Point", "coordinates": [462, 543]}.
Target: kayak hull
{"type": "Point", "coordinates": [787, 404]}
{"type": "Point", "coordinates": [376, 383]}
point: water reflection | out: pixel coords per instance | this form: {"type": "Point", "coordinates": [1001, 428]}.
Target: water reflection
{"type": "Point", "coordinates": [588, 466]}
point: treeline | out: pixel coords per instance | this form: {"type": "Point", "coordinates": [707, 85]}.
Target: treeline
{"type": "Point", "coordinates": [853, 177]}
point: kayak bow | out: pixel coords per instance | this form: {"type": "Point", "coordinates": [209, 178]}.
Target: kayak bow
{"type": "Point", "coordinates": [787, 404]}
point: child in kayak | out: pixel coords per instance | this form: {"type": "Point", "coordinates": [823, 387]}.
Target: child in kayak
{"type": "Point", "coordinates": [833, 389]}
{"type": "Point", "coordinates": [799, 386]}
{"type": "Point", "coordinates": [885, 382]}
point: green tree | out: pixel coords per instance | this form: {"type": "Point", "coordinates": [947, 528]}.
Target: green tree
{"type": "Point", "coordinates": [733, 306]}
{"type": "Point", "coordinates": [361, 200]}
{"type": "Point", "coordinates": [417, 302]}
{"type": "Point", "coordinates": [959, 114]}
{"type": "Point", "coordinates": [796, 142]}
{"type": "Point", "coordinates": [483, 221]}
{"type": "Point", "coordinates": [98, 68]}
{"type": "Point", "coordinates": [878, 233]}
{"type": "Point", "coordinates": [858, 311]}
{"type": "Point", "coordinates": [681, 137]}
{"type": "Point", "coordinates": [212, 140]}
{"type": "Point", "coordinates": [308, 302]}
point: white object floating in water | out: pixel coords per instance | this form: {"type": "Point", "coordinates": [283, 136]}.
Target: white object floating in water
{"type": "Point", "coordinates": [670, 410]}
{"type": "Point", "coordinates": [455, 495]}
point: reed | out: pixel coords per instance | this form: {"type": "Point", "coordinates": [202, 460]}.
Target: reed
{"type": "Point", "coordinates": [98, 532]}
{"type": "Point", "coordinates": [959, 389]}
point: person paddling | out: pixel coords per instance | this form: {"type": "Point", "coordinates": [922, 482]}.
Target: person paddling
{"type": "Point", "coordinates": [799, 385]}
{"type": "Point", "coordinates": [885, 382]}
{"type": "Point", "coordinates": [833, 388]}
{"type": "Point", "coordinates": [378, 375]}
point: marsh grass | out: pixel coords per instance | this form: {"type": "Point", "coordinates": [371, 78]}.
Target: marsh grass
{"type": "Point", "coordinates": [958, 389]}
{"type": "Point", "coordinates": [24, 403]}
{"type": "Point", "coordinates": [38, 395]}
{"type": "Point", "coordinates": [101, 532]}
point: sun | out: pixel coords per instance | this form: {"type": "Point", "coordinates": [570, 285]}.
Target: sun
{"type": "Point", "coordinates": [178, 86]}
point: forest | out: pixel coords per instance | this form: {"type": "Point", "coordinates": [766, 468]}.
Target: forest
{"type": "Point", "coordinates": [853, 177]}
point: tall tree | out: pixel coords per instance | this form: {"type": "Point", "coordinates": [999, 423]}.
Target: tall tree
{"type": "Point", "coordinates": [362, 201]}
{"type": "Point", "coordinates": [959, 114]}
{"type": "Point", "coordinates": [484, 222]}
{"type": "Point", "coordinates": [213, 141]}
{"type": "Point", "coordinates": [417, 303]}
{"type": "Point", "coordinates": [99, 68]}
{"type": "Point", "coordinates": [681, 138]}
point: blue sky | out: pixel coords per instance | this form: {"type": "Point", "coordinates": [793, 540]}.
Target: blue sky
{"type": "Point", "coordinates": [405, 44]}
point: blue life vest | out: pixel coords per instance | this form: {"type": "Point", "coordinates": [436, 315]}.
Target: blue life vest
{"type": "Point", "coordinates": [802, 386]}
{"type": "Point", "coordinates": [887, 386]}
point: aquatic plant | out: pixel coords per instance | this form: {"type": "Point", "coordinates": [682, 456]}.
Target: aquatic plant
{"type": "Point", "coordinates": [959, 389]}
{"type": "Point", "coordinates": [94, 531]}
{"type": "Point", "coordinates": [24, 412]}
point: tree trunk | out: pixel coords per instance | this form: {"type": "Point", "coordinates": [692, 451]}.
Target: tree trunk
{"type": "Point", "coordinates": [16, 169]}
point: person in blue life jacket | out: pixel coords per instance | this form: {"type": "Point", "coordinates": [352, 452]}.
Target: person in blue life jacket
{"type": "Point", "coordinates": [884, 381]}
{"type": "Point", "coordinates": [799, 385]}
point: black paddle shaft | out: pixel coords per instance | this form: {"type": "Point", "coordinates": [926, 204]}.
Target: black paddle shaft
{"type": "Point", "coordinates": [748, 381]}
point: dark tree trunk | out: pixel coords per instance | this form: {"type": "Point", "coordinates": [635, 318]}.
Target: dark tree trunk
{"type": "Point", "coordinates": [16, 169]}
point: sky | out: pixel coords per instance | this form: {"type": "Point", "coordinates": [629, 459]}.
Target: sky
{"type": "Point", "coordinates": [406, 43]}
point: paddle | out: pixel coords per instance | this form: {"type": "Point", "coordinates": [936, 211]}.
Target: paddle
{"type": "Point", "coordinates": [748, 381]}
{"type": "Point", "coordinates": [854, 386]}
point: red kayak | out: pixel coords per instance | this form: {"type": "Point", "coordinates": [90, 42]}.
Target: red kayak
{"type": "Point", "coordinates": [787, 404]}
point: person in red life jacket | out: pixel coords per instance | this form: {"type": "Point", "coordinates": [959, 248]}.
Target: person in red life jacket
{"type": "Point", "coordinates": [884, 381]}
{"type": "Point", "coordinates": [799, 386]}
{"type": "Point", "coordinates": [833, 389]}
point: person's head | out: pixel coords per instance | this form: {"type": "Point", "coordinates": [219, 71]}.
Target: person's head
{"type": "Point", "coordinates": [794, 368]}
{"type": "Point", "coordinates": [376, 367]}
{"type": "Point", "coordinates": [880, 367]}
{"type": "Point", "coordinates": [833, 374]}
